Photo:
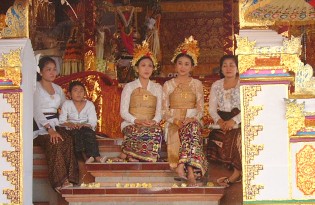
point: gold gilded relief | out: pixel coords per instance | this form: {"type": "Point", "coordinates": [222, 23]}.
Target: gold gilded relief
{"type": "Point", "coordinates": [288, 53]}
{"type": "Point", "coordinates": [89, 60]}
{"type": "Point", "coordinates": [250, 151]}
{"type": "Point", "coordinates": [305, 170]}
{"type": "Point", "coordinates": [245, 62]}
{"type": "Point", "coordinates": [10, 68]}
{"type": "Point", "coordinates": [14, 176]}
{"type": "Point", "coordinates": [295, 115]}
{"type": "Point", "coordinates": [13, 139]}
{"type": "Point", "coordinates": [16, 20]}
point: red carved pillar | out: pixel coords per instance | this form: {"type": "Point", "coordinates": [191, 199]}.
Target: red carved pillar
{"type": "Point", "coordinates": [89, 34]}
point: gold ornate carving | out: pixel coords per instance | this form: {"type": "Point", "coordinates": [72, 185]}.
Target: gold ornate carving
{"type": "Point", "coordinates": [15, 176]}
{"type": "Point", "coordinates": [291, 61]}
{"type": "Point", "coordinates": [89, 60]}
{"type": "Point", "coordinates": [10, 65]}
{"type": "Point", "coordinates": [249, 133]}
{"type": "Point", "coordinates": [288, 53]}
{"type": "Point", "coordinates": [245, 62]}
{"type": "Point", "coordinates": [305, 170]}
{"type": "Point", "coordinates": [16, 20]}
{"type": "Point", "coordinates": [13, 139]}
{"type": "Point", "coordinates": [294, 115]}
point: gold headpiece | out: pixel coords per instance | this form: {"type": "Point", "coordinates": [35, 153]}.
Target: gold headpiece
{"type": "Point", "coordinates": [188, 47]}
{"type": "Point", "coordinates": [143, 51]}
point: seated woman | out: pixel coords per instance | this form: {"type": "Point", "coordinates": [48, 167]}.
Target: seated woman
{"type": "Point", "coordinates": [56, 143]}
{"type": "Point", "coordinates": [140, 108]}
{"type": "Point", "coordinates": [182, 105]}
{"type": "Point", "coordinates": [224, 108]}
{"type": "Point", "coordinates": [78, 117]}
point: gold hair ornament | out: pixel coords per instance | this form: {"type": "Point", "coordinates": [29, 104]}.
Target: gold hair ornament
{"type": "Point", "coordinates": [143, 50]}
{"type": "Point", "coordinates": [188, 47]}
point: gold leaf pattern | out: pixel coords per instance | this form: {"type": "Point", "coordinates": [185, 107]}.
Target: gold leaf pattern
{"type": "Point", "coordinates": [305, 170]}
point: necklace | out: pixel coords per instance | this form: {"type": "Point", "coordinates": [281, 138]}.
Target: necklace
{"type": "Point", "coordinates": [123, 18]}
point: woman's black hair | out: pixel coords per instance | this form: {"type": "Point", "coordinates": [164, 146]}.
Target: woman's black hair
{"type": "Point", "coordinates": [223, 58]}
{"type": "Point", "coordinates": [42, 63]}
{"type": "Point", "coordinates": [183, 54]}
{"type": "Point", "coordinates": [75, 83]}
{"type": "Point", "coordinates": [142, 58]}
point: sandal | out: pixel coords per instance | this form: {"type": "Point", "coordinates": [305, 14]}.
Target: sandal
{"type": "Point", "coordinates": [90, 160]}
{"type": "Point", "coordinates": [103, 159]}
{"type": "Point", "coordinates": [224, 181]}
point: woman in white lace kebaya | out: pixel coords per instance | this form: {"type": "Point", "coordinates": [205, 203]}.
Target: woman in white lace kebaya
{"type": "Point", "coordinates": [224, 107]}
{"type": "Point", "coordinates": [182, 105]}
{"type": "Point", "coordinates": [140, 109]}
{"type": "Point", "coordinates": [57, 144]}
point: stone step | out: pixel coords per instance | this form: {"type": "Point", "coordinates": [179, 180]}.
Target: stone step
{"type": "Point", "coordinates": [131, 172]}
{"type": "Point", "coordinates": [143, 196]}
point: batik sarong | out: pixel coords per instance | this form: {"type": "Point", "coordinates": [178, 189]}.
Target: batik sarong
{"type": "Point", "coordinates": [61, 160]}
{"type": "Point", "coordinates": [191, 148]}
{"type": "Point", "coordinates": [142, 143]}
{"type": "Point", "coordinates": [225, 146]}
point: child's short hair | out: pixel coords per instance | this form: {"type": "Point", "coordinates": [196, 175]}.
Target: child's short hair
{"type": "Point", "coordinates": [75, 83]}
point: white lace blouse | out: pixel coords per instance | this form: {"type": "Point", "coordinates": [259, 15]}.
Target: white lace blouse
{"type": "Point", "coordinates": [224, 100]}
{"type": "Point", "coordinates": [46, 103]}
{"type": "Point", "coordinates": [154, 88]}
{"type": "Point", "coordinates": [69, 113]}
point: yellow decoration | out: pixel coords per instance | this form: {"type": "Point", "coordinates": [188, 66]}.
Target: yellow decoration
{"type": "Point", "coordinates": [15, 154]}
{"type": "Point", "coordinates": [305, 169]}
{"type": "Point", "coordinates": [295, 116]}
{"type": "Point", "coordinates": [188, 47]}
{"type": "Point", "coordinates": [251, 151]}
{"type": "Point", "coordinates": [288, 53]}
{"type": "Point", "coordinates": [11, 64]}
{"type": "Point", "coordinates": [143, 51]}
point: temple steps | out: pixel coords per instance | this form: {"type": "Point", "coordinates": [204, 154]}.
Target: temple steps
{"type": "Point", "coordinates": [101, 181]}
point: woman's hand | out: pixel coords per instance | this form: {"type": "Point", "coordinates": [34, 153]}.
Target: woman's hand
{"type": "Point", "coordinates": [229, 124]}
{"type": "Point", "coordinates": [70, 125]}
{"type": "Point", "coordinates": [149, 123]}
{"type": "Point", "coordinates": [178, 122]}
{"type": "Point", "coordinates": [221, 123]}
{"type": "Point", "coordinates": [146, 123]}
{"type": "Point", "coordinates": [55, 137]}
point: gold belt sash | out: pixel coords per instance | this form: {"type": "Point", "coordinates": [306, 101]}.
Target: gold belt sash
{"type": "Point", "coordinates": [142, 104]}
{"type": "Point", "coordinates": [182, 98]}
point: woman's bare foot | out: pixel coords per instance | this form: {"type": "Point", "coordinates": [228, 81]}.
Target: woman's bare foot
{"type": "Point", "coordinates": [131, 159]}
{"type": "Point", "coordinates": [101, 159]}
{"type": "Point", "coordinates": [191, 177]}
{"type": "Point", "coordinates": [181, 171]}
{"type": "Point", "coordinates": [120, 158]}
{"type": "Point", "coordinates": [236, 176]}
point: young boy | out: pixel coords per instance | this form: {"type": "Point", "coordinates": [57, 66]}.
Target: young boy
{"type": "Point", "coordinates": [79, 116]}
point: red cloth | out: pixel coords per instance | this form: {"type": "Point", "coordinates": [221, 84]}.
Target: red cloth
{"type": "Point", "coordinates": [127, 40]}
{"type": "Point", "coordinates": [312, 2]}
